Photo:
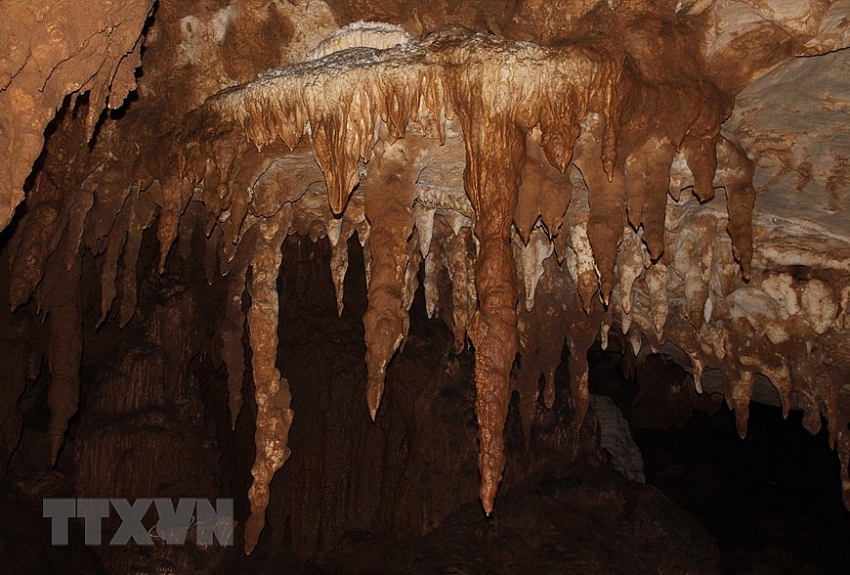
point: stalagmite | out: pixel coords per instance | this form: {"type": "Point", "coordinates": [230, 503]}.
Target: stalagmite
{"type": "Point", "coordinates": [274, 417]}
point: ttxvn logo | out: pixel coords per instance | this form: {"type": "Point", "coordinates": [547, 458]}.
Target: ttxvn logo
{"type": "Point", "coordinates": [173, 523]}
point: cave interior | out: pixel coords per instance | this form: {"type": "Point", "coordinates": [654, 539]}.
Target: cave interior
{"type": "Point", "coordinates": [516, 286]}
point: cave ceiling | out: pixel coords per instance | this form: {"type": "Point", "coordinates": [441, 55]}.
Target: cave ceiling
{"type": "Point", "coordinates": [670, 175]}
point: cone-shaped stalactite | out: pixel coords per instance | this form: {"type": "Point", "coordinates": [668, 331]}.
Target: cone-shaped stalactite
{"type": "Point", "coordinates": [61, 296]}
{"type": "Point", "coordinates": [737, 176]}
{"type": "Point", "coordinates": [233, 327]}
{"type": "Point", "coordinates": [389, 195]}
{"type": "Point", "coordinates": [495, 151]}
{"type": "Point", "coordinates": [607, 219]}
{"type": "Point", "coordinates": [493, 181]}
{"type": "Point", "coordinates": [271, 391]}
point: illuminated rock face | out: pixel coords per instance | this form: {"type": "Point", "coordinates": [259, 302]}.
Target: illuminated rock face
{"type": "Point", "coordinates": [562, 170]}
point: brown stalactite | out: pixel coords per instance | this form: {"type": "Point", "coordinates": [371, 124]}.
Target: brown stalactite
{"type": "Point", "coordinates": [61, 299]}
{"type": "Point", "coordinates": [460, 264]}
{"type": "Point", "coordinates": [581, 334]}
{"type": "Point", "coordinates": [143, 216]}
{"type": "Point", "coordinates": [176, 195]}
{"type": "Point", "coordinates": [607, 216]}
{"type": "Point", "coordinates": [544, 193]}
{"type": "Point", "coordinates": [233, 324]}
{"type": "Point", "coordinates": [274, 416]}
{"type": "Point", "coordinates": [647, 176]}
{"type": "Point", "coordinates": [737, 176]}
{"type": "Point", "coordinates": [115, 242]}
{"type": "Point", "coordinates": [32, 252]}
{"type": "Point", "coordinates": [495, 153]}
{"type": "Point", "coordinates": [389, 194]}
{"type": "Point", "coordinates": [79, 210]}
{"type": "Point", "coordinates": [701, 155]}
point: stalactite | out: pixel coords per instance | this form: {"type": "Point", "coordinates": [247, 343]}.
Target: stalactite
{"type": "Point", "coordinates": [339, 266]}
{"type": "Point", "coordinates": [530, 260]}
{"type": "Point", "coordinates": [411, 278]}
{"type": "Point", "coordinates": [741, 383]}
{"type": "Point", "coordinates": [389, 199]}
{"type": "Point", "coordinates": [141, 218]}
{"type": "Point", "coordinates": [647, 176]}
{"type": "Point", "coordinates": [545, 193]}
{"type": "Point", "coordinates": [424, 216]}
{"type": "Point", "coordinates": [607, 216]}
{"type": "Point", "coordinates": [274, 416]}
{"type": "Point", "coordinates": [112, 186]}
{"type": "Point", "coordinates": [82, 204]}
{"type": "Point", "coordinates": [495, 149]}
{"type": "Point", "coordinates": [586, 278]}
{"type": "Point", "coordinates": [233, 324]}
{"type": "Point", "coordinates": [461, 272]}
{"type": "Point", "coordinates": [737, 175]}
{"type": "Point", "coordinates": [581, 333]}
{"type": "Point", "coordinates": [630, 267]}
{"type": "Point", "coordinates": [32, 252]}
{"type": "Point", "coordinates": [656, 282]}
{"type": "Point", "coordinates": [433, 266]}
{"type": "Point", "coordinates": [176, 194]}
{"type": "Point", "coordinates": [60, 297]}
{"type": "Point", "coordinates": [114, 248]}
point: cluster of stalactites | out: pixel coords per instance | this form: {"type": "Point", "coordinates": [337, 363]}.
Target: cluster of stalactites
{"type": "Point", "coordinates": [356, 105]}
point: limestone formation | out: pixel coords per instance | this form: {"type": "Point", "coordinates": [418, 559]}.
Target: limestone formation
{"type": "Point", "coordinates": [661, 172]}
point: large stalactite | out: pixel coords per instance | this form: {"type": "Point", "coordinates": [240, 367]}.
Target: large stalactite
{"type": "Point", "coordinates": [551, 180]}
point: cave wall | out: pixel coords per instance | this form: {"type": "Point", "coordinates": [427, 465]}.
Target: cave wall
{"type": "Point", "coordinates": [556, 208]}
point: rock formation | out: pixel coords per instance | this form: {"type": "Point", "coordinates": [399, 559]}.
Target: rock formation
{"type": "Point", "coordinates": [671, 174]}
